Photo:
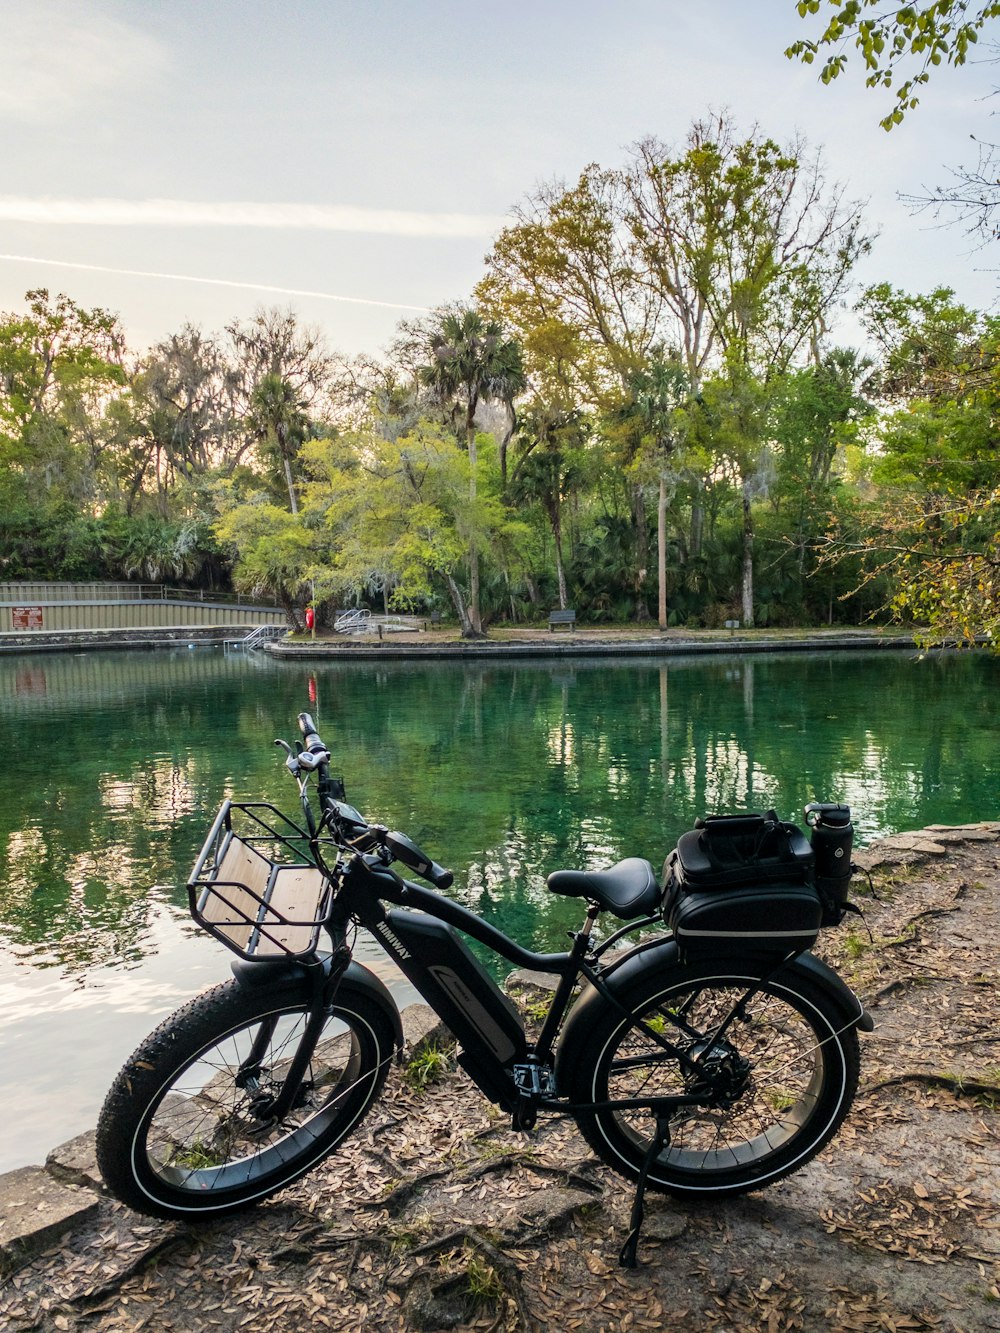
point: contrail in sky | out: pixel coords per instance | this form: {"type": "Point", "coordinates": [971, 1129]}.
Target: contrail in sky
{"type": "Point", "coordinates": [215, 282]}
{"type": "Point", "coordinates": [296, 217]}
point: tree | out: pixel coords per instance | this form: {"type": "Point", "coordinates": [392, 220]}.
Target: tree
{"type": "Point", "coordinates": [550, 444]}
{"type": "Point", "coordinates": [658, 390]}
{"type": "Point", "coordinates": [930, 526]}
{"type": "Point", "coordinates": [930, 345]}
{"type": "Point", "coordinates": [60, 367]}
{"type": "Point", "coordinates": [899, 47]}
{"type": "Point", "coordinates": [816, 413]}
{"type": "Point", "coordinates": [731, 248]}
{"type": "Point", "coordinates": [273, 552]}
{"type": "Point", "coordinates": [752, 250]}
{"type": "Point", "coordinates": [747, 243]}
{"type": "Point", "coordinates": [564, 278]}
{"type": "Point", "coordinates": [397, 516]}
{"type": "Point", "coordinates": [471, 361]}
{"type": "Point", "coordinates": [278, 422]}
{"type": "Point", "coordinates": [939, 556]}
{"type": "Point", "coordinates": [900, 38]}
{"type": "Point", "coordinates": [282, 372]}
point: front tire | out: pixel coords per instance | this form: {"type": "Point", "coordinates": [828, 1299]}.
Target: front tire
{"type": "Point", "coordinates": [789, 1064]}
{"type": "Point", "coordinates": [178, 1136]}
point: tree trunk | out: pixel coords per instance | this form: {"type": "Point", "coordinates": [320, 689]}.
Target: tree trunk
{"type": "Point", "coordinates": [661, 550]}
{"type": "Point", "coordinates": [475, 617]}
{"type": "Point", "coordinates": [292, 500]}
{"type": "Point", "coordinates": [747, 558]}
{"type": "Point", "coordinates": [282, 438]}
{"type": "Point", "coordinates": [697, 521]}
{"type": "Point", "coordinates": [291, 611]}
{"type": "Point", "coordinates": [504, 442]}
{"type": "Point", "coordinates": [641, 553]}
{"type": "Point", "coordinates": [458, 601]}
{"type": "Point", "coordinates": [555, 521]}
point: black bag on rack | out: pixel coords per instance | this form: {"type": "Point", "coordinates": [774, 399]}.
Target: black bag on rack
{"type": "Point", "coordinates": [739, 884]}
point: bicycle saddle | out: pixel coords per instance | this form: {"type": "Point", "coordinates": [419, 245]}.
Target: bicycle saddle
{"type": "Point", "coordinates": [629, 889]}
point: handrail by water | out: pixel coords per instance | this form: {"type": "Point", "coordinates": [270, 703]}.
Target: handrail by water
{"type": "Point", "coordinates": [41, 592]}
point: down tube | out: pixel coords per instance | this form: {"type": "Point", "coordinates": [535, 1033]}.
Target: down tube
{"type": "Point", "coordinates": [462, 993]}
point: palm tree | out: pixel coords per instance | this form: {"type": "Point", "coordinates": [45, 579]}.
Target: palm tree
{"type": "Point", "coordinates": [658, 390]}
{"type": "Point", "coordinates": [472, 362]}
{"type": "Point", "coordinates": [278, 419]}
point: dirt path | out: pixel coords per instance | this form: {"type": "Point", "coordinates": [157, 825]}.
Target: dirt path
{"type": "Point", "coordinates": [439, 1217]}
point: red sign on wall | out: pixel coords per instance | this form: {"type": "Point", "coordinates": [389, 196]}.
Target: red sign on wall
{"type": "Point", "coordinates": [26, 617]}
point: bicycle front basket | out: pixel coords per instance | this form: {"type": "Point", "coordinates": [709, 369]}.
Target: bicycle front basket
{"type": "Point", "coordinates": [254, 887]}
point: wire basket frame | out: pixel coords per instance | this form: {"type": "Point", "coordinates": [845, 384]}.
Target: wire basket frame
{"type": "Point", "coordinates": [253, 903]}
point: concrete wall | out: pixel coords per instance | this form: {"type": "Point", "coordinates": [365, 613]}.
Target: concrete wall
{"type": "Point", "coordinates": [33, 607]}
{"type": "Point", "coordinates": [34, 616]}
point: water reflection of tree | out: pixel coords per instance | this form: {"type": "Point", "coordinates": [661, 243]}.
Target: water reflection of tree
{"type": "Point", "coordinates": [504, 770]}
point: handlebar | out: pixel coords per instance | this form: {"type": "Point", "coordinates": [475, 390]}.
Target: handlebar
{"type": "Point", "coordinates": [315, 757]}
{"type": "Point", "coordinates": [309, 733]}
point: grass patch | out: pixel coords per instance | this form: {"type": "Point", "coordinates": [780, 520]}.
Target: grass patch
{"type": "Point", "coordinates": [482, 1281]}
{"type": "Point", "coordinates": [431, 1065]}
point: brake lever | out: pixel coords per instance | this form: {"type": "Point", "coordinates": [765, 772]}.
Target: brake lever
{"type": "Point", "coordinates": [310, 760]}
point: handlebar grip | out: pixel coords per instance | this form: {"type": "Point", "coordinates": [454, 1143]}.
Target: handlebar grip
{"type": "Point", "coordinates": [406, 850]}
{"type": "Point", "coordinates": [309, 733]}
{"type": "Point", "coordinates": [439, 877]}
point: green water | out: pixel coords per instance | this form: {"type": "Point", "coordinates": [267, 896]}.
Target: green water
{"type": "Point", "coordinates": [114, 765]}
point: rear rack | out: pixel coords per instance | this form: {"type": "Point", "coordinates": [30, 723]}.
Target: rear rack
{"type": "Point", "coordinates": [257, 887]}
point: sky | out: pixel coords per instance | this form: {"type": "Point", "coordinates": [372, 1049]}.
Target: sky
{"type": "Point", "coordinates": [192, 161]}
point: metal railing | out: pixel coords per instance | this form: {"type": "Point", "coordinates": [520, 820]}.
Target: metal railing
{"type": "Point", "coordinates": [353, 622]}
{"type": "Point", "coordinates": [255, 638]}
{"type": "Point", "coordinates": [39, 592]}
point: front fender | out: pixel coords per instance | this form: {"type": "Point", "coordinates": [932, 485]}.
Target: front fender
{"type": "Point", "coordinates": [293, 978]}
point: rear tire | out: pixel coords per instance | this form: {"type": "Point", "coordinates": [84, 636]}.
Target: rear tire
{"type": "Point", "coordinates": [177, 1136]}
{"type": "Point", "coordinates": [793, 1073]}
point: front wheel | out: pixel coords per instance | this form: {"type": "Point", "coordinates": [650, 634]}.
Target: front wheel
{"type": "Point", "coordinates": [183, 1131]}
{"type": "Point", "coordinates": [784, 1072]}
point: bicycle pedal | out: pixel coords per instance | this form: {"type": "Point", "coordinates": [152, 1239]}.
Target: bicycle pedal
{"type": "Point", "coordinates": [534, 1080]}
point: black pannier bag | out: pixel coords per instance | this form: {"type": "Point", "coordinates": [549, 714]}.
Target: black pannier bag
{"type": "Point", "coordinates": [742, 884]}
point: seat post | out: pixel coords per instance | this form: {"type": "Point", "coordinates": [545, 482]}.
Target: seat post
{"type": "Point", "coordinates": [581, 940]}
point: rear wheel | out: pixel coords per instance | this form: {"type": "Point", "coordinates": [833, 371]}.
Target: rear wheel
{"type": "Point", "coordinates": [184, 1130]}
{"type": "Point", "coordinates": [784, 1073]}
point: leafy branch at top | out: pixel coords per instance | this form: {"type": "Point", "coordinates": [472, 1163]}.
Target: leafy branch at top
{"type": "Point", "coordinates": [893, 39]}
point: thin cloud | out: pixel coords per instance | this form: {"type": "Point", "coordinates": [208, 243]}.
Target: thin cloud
{"type": "Point", "coordinates": [290, 217]}
{"type": "Point", "coordinates": [214, 282]}
{"type": "Point", "coordinates": [57, 57]}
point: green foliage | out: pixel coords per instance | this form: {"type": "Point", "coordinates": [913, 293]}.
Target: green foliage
{"type": "Point", "coordinates": [899, 44]}
{"type": "Point", "coordinates": [273, 551]}
{"type": "Point", "coordinates": [430, 1065]}
{"type": "Point", "coordinates": [483, 1283]}
{"type": "Point", "coordinates": [666, 426]}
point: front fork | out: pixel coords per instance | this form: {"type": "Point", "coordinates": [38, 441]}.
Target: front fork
{"type": "Point", "coordinates": [270, 1108]}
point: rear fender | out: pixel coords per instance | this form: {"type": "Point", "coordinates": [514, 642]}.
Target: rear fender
{"type": "Point", "coordinates": [660, 957]}
{"type": "Point", "coordinates": [294, 981]}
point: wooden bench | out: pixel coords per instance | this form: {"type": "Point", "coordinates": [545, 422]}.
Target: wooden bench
{"type": "Point", "coordinates": [558, 617]}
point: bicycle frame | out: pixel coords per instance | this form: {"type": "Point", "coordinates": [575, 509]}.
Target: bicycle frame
{"type": "Point", "coordinates": [421, 940]}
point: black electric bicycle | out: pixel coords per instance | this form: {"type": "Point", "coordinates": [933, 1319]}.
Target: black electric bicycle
{"type": "Point", "coordinates": [704, 1062]}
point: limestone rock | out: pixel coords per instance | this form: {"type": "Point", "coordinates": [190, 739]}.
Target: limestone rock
{"type": "Point", "coordinates": [421, 1028]}
{"type": "Point", "coordinates": [36, 1210]}
{"type": "Point", "coordinates": [75, 1162]}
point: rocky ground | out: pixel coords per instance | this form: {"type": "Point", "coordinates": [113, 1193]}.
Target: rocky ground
{"type": "Point", "coordinates": [439, 1217]}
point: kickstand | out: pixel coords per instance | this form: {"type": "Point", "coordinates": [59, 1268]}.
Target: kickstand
{"type": "Point", "coordinates": [661, 1139]}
